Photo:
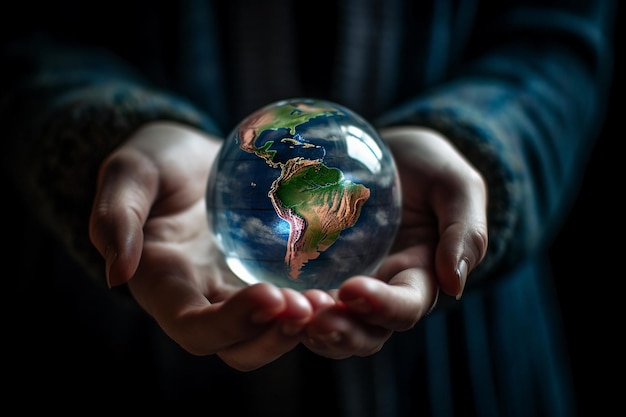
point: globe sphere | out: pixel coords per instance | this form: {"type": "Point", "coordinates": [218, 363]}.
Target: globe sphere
{"type": "Point", "coordinates": [303, 194]}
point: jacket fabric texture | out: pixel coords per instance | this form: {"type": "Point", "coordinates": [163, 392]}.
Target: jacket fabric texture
{"type": "Point", "coordinates": [520, 87]}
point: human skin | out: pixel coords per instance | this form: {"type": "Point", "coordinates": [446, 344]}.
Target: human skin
{"type": "Point", "coordinates": [149, 223]}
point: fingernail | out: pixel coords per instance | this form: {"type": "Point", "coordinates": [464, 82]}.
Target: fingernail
{"type": "Point", "coordinates": [461, 273]}
{"type": "Point", "coordinates": [434, 304]}
{"type": "Point", "coordinates": [331, 337]}
{"type": "Point", "coordinates": [109, 258]}
{"type": "Point", "coordinates": [323, 340]}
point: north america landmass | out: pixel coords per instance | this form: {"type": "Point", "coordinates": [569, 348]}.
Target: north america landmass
{"type": "Point", "coordinates": [316, 200]}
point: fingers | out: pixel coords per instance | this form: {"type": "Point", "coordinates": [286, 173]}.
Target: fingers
{"type": "Point", "coordinates": [463, 234]}
{"type": "Point", "coordinates": [127, 186]}
{"type": "Point", "coordinates": [247, 328]}
{"type": "Point", "coordinates": [337, 335]}
{"type": "Point", "coordinates": [160, 170]}
{"type": "Point", "coordinates": [368, 311]}
{"type": "Point", "coordinates": [439, 182]}
{"type": "Point", "coordinates": [275, 340]}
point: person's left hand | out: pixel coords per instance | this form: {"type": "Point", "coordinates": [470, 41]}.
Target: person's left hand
{"type": "Point", "coordinates": [442, 237]}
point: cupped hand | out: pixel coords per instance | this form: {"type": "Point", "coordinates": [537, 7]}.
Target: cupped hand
{"type": "Point", "coordinates": [442, 238]}
{"type": "Point", "coordinates": [149, 223]}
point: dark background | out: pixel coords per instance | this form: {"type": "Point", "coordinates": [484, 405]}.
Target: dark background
{"type": "Point", "coordinates": [588, 258]}
{"type": "Point", "coordinates": [590, 263]}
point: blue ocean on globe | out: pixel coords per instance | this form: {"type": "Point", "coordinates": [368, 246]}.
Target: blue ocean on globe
{"type": "Point", "coordinates": [303, 194]}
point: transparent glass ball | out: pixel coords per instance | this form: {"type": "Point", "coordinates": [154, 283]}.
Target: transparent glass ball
{"type": "Point", "coordinates": [303, 194]}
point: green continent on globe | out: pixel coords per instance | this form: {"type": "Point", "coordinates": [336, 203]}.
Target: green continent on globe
{"type": "Point", "coordinates": [316, 201]}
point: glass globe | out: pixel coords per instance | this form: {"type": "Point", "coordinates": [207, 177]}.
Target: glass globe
{"type": "Point", "coordinates": [303, 194]}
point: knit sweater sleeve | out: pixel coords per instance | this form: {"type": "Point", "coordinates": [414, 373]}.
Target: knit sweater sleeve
{"type": "Point", "coordinates": [64, 109]}
{"type": "Point", "coordinates": [526, 114]}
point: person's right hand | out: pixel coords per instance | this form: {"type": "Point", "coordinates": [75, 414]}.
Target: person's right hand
{"type": "Point", "coordinates": [149, 222]}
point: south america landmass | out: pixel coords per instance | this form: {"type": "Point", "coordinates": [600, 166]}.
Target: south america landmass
{"type": "Point", "coordinates": [316, 200]}
{"type": "Point", "coordinates": [318, 203]}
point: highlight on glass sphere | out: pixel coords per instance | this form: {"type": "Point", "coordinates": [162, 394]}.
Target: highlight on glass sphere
{"type": "Point", "coordinates": [303, 194]}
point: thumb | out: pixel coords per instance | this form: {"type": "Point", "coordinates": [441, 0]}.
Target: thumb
{"type": "Point", "coordinates": [463, 238]}
{"type": "Point", "coordinates": [127, 186]}
{"type": "Point", "coordinates": [459, 251]}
